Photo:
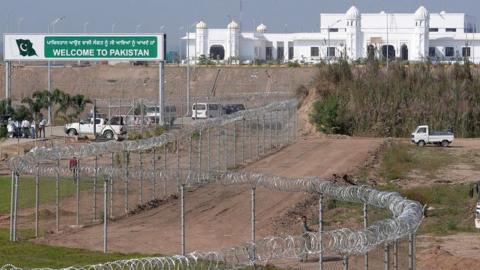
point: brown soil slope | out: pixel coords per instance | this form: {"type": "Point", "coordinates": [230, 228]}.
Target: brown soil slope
{"type": "Point", "coordinates": [219, 216]}
{"type": "Point", "coordinates": [124, 81]}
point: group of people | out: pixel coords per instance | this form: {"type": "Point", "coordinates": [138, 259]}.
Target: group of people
{"type": "Point", "coordinates": [26, 129]}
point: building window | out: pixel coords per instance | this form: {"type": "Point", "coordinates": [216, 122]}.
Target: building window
{"type": "Point", "coordinates": [333, 30]}
{"type": "Point", "coordinates": [451, 29]}
{"type": "Point", "coordinates": [280, 54]}
{"type": "Point", "coordinates": [331, 51]}
{"type": "Point", "coordinates": [290, 53]}
{"type": "Point", "coordinates": [449, 51]}
{"type": "Point", "coordinates": [433, 29]}
{"type": "Point", "coordinates": [466, 51]}
{"type": "Point", "coordinates": [217, 52]}
{"type": "Point", "coordinates": [314, 51]}
{"type": "Point", "coordinates": [432, 52]}
{"type": "Point", "coordinates": [268, 53]}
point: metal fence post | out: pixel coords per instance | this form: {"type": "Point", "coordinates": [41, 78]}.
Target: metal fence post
{"type": "Point", "coordinates": [258, 137]}
{"type": "Point", "coordinates": [395, 255]}
{"type": "Point", "coordinates": [37, 186]}
{"type": "Point", "coordinates": [141, 176]}
{"type": "Point", "coordinates": [127, 156]}
{"type": "Point", "coordinates": [95, 188]}
{"type": "Point", "coordinates": [208, 152]}
{"type": "Point", "coordinates": [225, 146]}
{"type": "Point", "coordinates": [234, 143]}
{"type": "Point", "coordinates": [263, 135]}
{"type": "Point", "coordinates": [178, 161]}
{"type": "Point", "coordinates": [320, 231]}
{"type": "Point", "coordinates": [190, 153]}
{"type": "Point", "coordinates": [365, 225]}
{"type": "Point", "coordinates": [219, 139]}
{"type": "Point", "coordinates": [15, 205]}
{"type": "Point", "coordinates": [345, 262]}
{"type": "Point", "coordinates": [250, 141]}
{"type": "Point", "coordinates": [271, 132]}
{"type": "Point", "coordinates": [411, 252]}
{"type": "Point", "coordinates": [154, 161]}
{"type": "Point", "coordinates": [12, 199]}
{"type": "Point", "coordinates": [165, 170]}
{"type": "Point", "coordinates": [243, 141]}
{"type": "Point", "coordinates": [77, 185]}
{"type": "Point", "coordinates": [111, 189]}
{"type": "Point", "coordinates": [199, 153]}
{"type": "Point", "coordinates": [57, 197]}
{"type": "Point", "coordinates": [105, 215]}
{"type": "Point", "coordinates": [253, 220]}
{"type": "Point", "coordinates": [182, 215]}
{"type": "Point", "coordinates": [386, 255]}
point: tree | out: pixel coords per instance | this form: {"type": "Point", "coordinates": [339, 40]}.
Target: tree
{"type": "Point", "coordinates": [34, 105]}
{"type": "Point", "coordinates": [63, 101]}
{"type": "Point", "coordinates": [78, 104]}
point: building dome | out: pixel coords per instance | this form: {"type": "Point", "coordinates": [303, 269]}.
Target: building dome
{"type": "Point", "coordinates": [201, 25]}
{"type": "Point", "coordinates": [421, 13]}
{"type": "Point", "coordinates": [262, 28]}
{"type": "Point", "coordinates": [233, 25]}
{"type": "Point", "coordinates": [352, 13]}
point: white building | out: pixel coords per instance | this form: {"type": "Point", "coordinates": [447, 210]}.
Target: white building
{"type": "Point", "coordinates": [409, 36]}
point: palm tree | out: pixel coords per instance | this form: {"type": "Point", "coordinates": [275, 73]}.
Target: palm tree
{"type": "Point", "coordinates": [34, 105]}
{"type": "Point", "coordinates": [63, 101]}
{"type": "Point", "coordinates": [78, 104]}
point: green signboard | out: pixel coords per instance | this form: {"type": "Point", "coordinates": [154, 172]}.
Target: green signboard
{"type": "Point", "coordinates": [84, 47]}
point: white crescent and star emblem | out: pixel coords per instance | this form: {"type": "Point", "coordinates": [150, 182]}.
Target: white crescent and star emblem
{"type": "Point", "coordinates": [22, 47]}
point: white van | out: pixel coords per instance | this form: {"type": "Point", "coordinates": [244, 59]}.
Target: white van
{"type": "Point", "coordinates": [206, 110]}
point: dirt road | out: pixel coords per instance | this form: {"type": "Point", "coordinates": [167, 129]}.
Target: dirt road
{"type": "Point", "coordinates": [219, 216]}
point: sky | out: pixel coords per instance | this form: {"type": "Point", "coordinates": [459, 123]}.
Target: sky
{"type": "Point", "coordinates": [174, 16]}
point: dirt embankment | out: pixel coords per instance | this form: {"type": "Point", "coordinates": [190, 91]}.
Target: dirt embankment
{"type": "Point", "coordinates": [124, 81]}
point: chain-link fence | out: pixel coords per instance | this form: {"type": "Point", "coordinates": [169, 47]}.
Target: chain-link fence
{"type": "Point", "coordinates": [114, 179]}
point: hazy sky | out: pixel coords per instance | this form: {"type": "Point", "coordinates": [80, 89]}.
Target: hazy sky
{"type": "Point", "coordinates": [151, 15]}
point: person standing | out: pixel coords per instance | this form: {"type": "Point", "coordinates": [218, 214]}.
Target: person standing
{"type": "Point", "coordinates": [25, 128]}
{"type": "Point", "coordinates": [73, 166]}
{"type": "Point", "coordinates": [41, 128]}
{"type": "Point", "coordinates": [33, 129]}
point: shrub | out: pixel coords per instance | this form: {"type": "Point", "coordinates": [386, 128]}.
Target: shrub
{"type": "Point", "coordinates": [372, 100]}
{"type": "Point", "coordinates": [329, 116]}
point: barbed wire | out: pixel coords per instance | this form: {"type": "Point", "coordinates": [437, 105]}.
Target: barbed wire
{"type": "Point", "coordinates": [21, 163]}
{"type": "Point", "coordinates": [406, 214]}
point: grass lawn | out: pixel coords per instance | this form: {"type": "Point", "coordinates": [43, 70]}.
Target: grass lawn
{"type": "Point", "coordinates": [400, 159]}
{"type": "Point", "coordinates": [27, 254]}
{"type": "Point", "coordinates": [26, 188]}
{"type": "Point", "coordinates": [452, 208]}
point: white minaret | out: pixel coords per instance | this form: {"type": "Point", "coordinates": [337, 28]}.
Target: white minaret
{"type": "Point", "coordinates": [420, 35]}
{"type": "Point", "coordinates": [354, 32]}
{"type": "Point", "coordinates": [201, 39]}
{"type": "Point", "coordinates": [233, 40]}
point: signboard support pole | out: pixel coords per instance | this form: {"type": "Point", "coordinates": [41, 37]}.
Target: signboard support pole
{"type": "Point", "coordinates": [50, 91]}
{"type": "Point", "coordinates": [161, 92]}
{"type": "Point", "coordinates": [8, 88]}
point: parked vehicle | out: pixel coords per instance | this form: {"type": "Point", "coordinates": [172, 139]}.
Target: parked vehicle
{"type": "Point", "coordinates": [423, 136]}
{"type": "Point", "coordinates": [233, 108]}
{"type": "Point", "coordinates": [477, 215]}
{"type": "Point", "coordinates": [170, 113]}
{"type": "Point", "coordinates": [206, 110]}
{"type": "Point", "coordinates": [109, 130]}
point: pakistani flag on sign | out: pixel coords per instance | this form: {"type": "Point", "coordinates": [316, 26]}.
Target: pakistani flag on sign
{"type": "Point", "coordinates": [25, 47]}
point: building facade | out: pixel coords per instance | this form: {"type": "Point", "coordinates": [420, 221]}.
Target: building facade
{"type": "Point", "coordinates": [352, 35]}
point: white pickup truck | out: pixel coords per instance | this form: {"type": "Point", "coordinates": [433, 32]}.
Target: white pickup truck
{"type": "Point", "coordinates": [114, 130]}
{"type": "Point", "coordinates": [423, 136]}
